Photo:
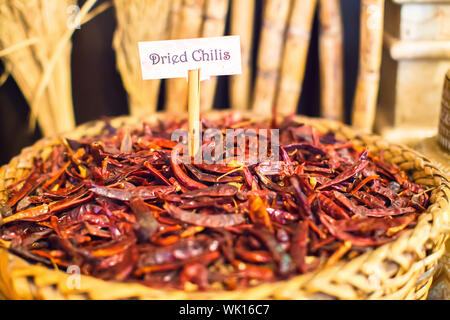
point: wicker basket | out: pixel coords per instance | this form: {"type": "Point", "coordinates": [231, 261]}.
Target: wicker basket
{"type": "Point", "coordinates": [402, 269]}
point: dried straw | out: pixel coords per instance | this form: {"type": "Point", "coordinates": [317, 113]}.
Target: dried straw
{"type": "Point", "coordinates": [242, 16]}
{"type": "Point", "coordinates": [174, 18]}
{"type": "Point", "coordinates": [139, 20]}
{"type": "Point", "coordinates": [35, 46]}
{"type": "Point", "coordinates": [213, 26]}
{"type": "Point", "coordinates": [188, 18]}
{"type": "Point", "coordinates": [330, 60]}
{"type": "Point", "coordinates": [294, 56]}
{"type": "Point", "coordinates": [370, 50]}
{"type": "Point", "coordinates": [269, 54]}
{"type": "Point", "coordinates": [31, 30]}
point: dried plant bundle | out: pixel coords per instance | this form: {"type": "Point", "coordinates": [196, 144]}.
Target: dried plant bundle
{"type": "Point", "coordinates": [294, 56]}
{"type": "Point", "coordinates": [370, 51]}
{"type": "Point", "coordinates": [188, 18]}
{"type": "Point", "coordinates": [275, 18]}
{"type": "Point", "coordinates": [242, 17]}
{"type": "Point", "coordinates": [213, 26]}
{"type": "Point", "coordinates": [41, 23]}
{"type": "Point", "coordinates": [35, 47]}
{"type": "Point", "coordinates": [133, 18]}
{"type": "Point", "coordinates": [330, 60]}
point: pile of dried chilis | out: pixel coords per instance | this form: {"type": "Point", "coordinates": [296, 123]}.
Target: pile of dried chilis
{"type": "Point", "coordinates": [120, 208]}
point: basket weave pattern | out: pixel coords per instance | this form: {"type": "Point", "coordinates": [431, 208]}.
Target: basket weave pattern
{"type": "Point", "coordinates": [402, 269]}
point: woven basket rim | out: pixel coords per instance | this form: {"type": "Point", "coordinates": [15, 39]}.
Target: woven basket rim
{"type": "Point", "coordinates": [316, 284]}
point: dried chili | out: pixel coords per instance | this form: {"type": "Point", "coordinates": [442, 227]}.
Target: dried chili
{"type": "Point", "coordinates": [120, 207]}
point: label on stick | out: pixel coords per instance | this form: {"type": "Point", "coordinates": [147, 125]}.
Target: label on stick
{"type": "Point", "coordinates": [216, 56]}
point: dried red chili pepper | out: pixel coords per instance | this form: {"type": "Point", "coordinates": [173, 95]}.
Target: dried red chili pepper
{"type": "Point", "coordinates": [205, 220]}
{"type": "Point", "coordinates": [122, 208]}
{"type": "Point", "coordinates": [147, 225]}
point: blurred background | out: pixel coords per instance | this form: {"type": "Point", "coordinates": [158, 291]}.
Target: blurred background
{"type": "Point", "coordinates": [378, 65]}
{"type": "Point", "coordinates": [98, 90]}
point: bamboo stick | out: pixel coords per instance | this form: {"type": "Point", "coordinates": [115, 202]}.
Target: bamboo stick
{"type": "Point", "coordinates": [175, 18]}
{"type": "Point", "coordinates": [330, 60]}
{"type": "Point", "coordinates": [294, 56]}
{"type": "Point", "coordinates": [189, 26]}
{"type": "Point", "coordinates": [194, 111]}
{"type": "Point", "coordinates": [370, 50]}
{"type": "Point", "coordinates": [132, 26]}
{"type": "Point", "coordinates": [269, 54]}
{"type": "Point", "coordinates": [242, 16]}
{"type": "Point", "coordinates": [213, 26]}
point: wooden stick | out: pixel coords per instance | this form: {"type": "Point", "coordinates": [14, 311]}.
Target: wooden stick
{"type": "Point", "coordinates": [189, 26]}
{"type": "Point", "coordinates": [294, 56]}
{"type": "Point", "coordinates": [242, 16]}
{"type": "Point", "coordinates": [194, 111]}
{"type": "Point", "coordinates": [330, 60]}
{"type": "Point", "coordinates": [269, 54]}
{"type": "Point", "coordinates": [370, 51]}
{"type": "Point", "coordinates": [213, 26]}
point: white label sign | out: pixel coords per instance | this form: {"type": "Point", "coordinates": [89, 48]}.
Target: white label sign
{"type": "Point", "coordinates": [216, 56]}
